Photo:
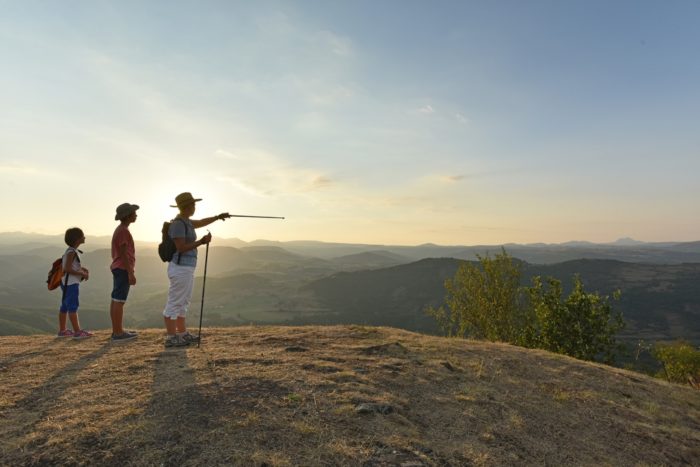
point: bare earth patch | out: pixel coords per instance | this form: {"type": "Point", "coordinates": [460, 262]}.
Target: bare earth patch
{"type": "Point", "coordinates": [340, 395]}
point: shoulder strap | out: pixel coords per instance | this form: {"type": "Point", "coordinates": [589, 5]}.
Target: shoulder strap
{"type": "Point", "coordinates": [63, 292]}
{"type": "Point", "coordinates": [65, 283]}
{"type": "Point", "coordinates": [75, 250]}
{"type": "Point", "coordinates": [185, 224]}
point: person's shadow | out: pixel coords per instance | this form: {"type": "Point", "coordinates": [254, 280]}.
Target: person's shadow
{"type": "Point", "coordinates": [177, 408]}
{"type": "Point", "coordinates": [22, 418]}
{"type": "Point", "coordinates": [183, 413]}
{"type": "Point", "coordinates": [34, 352]}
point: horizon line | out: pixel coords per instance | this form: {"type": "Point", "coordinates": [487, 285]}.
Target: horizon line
{"type": "Point", "coordinates": [622, 241]}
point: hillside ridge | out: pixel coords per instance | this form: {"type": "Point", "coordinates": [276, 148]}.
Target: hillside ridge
{"type": "Point", "coordinates": [335, 395]}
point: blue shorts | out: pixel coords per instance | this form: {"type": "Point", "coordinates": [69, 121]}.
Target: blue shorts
{"type": "Point", "coordinates": [120, 289]}
{"type": "Point", "coordinates": [70, 298]}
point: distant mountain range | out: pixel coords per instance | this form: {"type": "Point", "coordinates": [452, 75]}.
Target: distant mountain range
{"type": "Point", "coordinates": [318, 283]}
{"type": "Point", "coordinates": [624, 249]}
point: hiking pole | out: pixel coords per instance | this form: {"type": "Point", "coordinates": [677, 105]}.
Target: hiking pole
{"type": "Point", "coordinates": [206, 260]}
{"type": "Point", "coordinates": [257, 217]}
{"type": "Point", "coordinates": [204, 283]}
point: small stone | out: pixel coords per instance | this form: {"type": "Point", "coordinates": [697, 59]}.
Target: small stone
{"type": "Point", "coordinates": [369, 407]}
{"type": "Point", "coordinates": [365, 408]}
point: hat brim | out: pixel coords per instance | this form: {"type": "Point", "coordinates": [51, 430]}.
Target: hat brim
{"type": "Point", "coordinates": [134, 208]}
{"type": "Point", "coordinates": [192, 201]}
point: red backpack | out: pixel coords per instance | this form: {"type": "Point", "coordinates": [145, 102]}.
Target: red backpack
{"type": "Point", "coordinates": [55, 274]}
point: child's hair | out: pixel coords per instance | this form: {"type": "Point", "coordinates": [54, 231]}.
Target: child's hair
{"type": "Point", "coordinates": [73, 235]}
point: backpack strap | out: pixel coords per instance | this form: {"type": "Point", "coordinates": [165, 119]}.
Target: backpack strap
{"type": "Point", "coordinates": [185, 224]}
{"type": "Point", "coordinates": [65, 284]}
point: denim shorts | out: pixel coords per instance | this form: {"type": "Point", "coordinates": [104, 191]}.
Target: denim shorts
{"type": "Point", "coordinates": [120, 289]}
{"type": "Point", "coordinates": [70, 298]}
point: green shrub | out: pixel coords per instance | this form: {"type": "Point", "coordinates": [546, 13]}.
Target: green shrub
{"type": "Point", "coordinates": [486, 301]}
{"type": "Point", "coordinates": [582, 326]}
{"type": "Point", "coordinates": [680, 360]}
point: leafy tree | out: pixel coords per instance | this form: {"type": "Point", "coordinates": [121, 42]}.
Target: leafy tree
{"type": "Point", "coordinates": [582, 326]}
{"type": "Point", "coordinates": [485, 301]}
{"type": "Point", "coordinates": [681, 362]}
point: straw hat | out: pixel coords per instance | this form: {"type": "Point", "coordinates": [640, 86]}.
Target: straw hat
{"type": "Point", "coordinates": [184, 199]}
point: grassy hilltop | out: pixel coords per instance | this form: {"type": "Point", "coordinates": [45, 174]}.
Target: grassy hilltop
{"type": "Point", "coordinates": [341, 395]}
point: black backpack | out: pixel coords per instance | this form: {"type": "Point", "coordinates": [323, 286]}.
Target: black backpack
{"type": "Point", "coordinates": [166, 248]}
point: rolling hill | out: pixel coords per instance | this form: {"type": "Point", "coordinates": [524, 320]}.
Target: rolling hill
{"type": "Point", "coordinates": [261, 282]}
{"type": "Point", "coordinates": [658, 302]}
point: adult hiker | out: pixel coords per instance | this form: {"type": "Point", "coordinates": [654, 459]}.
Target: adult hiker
{"type": "Point", "coordinates": [181, 268]}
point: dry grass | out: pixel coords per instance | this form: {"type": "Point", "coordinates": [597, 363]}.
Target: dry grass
{"type": "Point", "coordinates": [279, 396]}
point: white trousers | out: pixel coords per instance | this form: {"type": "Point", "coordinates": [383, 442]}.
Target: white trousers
{"type": "Point", "coordinates": [180, 291]}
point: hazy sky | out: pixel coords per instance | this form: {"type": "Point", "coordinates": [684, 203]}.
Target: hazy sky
{"type": "Point", "coordinates": [398, 122]}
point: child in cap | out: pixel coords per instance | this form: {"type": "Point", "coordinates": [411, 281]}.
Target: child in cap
{"type": "Point", "coordinates": [74, 274]}
{"type": "Point", "coordinates": [123, 264]}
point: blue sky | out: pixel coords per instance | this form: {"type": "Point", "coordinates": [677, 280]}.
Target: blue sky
{"type": "Point", "coordinates": [396, 122]}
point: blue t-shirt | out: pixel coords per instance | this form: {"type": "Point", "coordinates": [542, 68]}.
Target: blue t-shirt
{"type": "Point", "coordinates": [183, 228]}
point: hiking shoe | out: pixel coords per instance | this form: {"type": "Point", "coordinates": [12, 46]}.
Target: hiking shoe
{"type": "Point", "coordinates": [175, 341]}
{"type": "Point", "coordinates": [65, 333]}
{"type": "Point", "coordinates": [190, 338]}
{"type": "Point", "coordinates": [123, 337]}
{"type": "Point", "coordinates": [82, 334]}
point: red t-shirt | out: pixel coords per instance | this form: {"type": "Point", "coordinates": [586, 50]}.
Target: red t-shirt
{"type": "Point", "coordinates": [122, 236]}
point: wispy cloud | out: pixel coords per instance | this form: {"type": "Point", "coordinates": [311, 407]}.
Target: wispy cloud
{"type": "Point", "coordinates": [461, 118]}
{"type": "Point", "coordinates": [18, 170]}
{"type": "Point", "coordinates": [275, 23]}
{"type": "Point", "coordinates": [263, 174]}
{"type": "Point", "coordinates": [339, 45]}
{"type": "Point", "coordinates": [327, 94]}
{"type": "Point", "coordinates": [426, 109]}
{"type": "Point", "coordinates": [453, 178]}
{"type": "Point", "coordinates": [461, 177]}
{"type": "Point", "coordinates": [321, 181]}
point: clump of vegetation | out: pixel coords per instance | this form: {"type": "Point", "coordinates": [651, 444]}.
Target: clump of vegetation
{"type": "Point", "coordinates": [680, 360]}
{"type": "Point", "coordinates": [582, 326]}
{"type": "Point", "coordinates": [486, 301]}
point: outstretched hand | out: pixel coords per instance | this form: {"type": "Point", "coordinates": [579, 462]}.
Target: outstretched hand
{"type": "Point", "coordinates": [223, 216]}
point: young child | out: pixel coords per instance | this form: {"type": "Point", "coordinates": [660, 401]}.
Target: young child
{"type": "Point", "coordinates": [75, 273]}
{"type": "Point", "coordinates": [123, 263]}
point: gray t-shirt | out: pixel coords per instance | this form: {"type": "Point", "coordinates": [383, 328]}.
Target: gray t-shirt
{"type": "Point", "coordinates": [183, 228]}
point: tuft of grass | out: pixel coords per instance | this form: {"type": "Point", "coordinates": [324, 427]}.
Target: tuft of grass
{"type": "Point", "coordinates": [293, 398]}
{"type": "Point", "coordinates": [652, 408]}
{"type": "Point", "coordinates": [305, 428]}
{"type": "Point", "coordinates": [516, 421]}
{"type": "Point", "coordinates": [561, 395]}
